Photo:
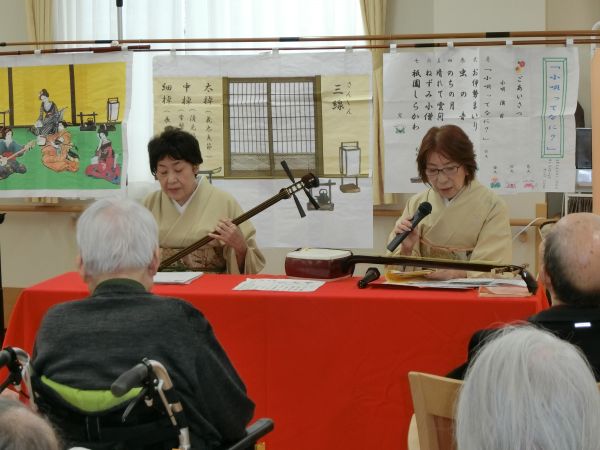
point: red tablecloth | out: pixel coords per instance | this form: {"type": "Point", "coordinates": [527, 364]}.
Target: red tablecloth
{"type": "Point", "coordinates": [330, 367]}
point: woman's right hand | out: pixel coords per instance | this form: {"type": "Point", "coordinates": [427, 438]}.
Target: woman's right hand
{"type": "Point", "coordinates": [411, 240]}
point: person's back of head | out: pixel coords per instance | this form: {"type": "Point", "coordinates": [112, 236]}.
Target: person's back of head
{"type": "Point", "coordinates": [22, 429]}
{"type": "Point", "coordinates": [528, 390]}
{"type": "Point", "coordinates": [571, 262]}
{"type": "Point", "coordinates": [116, 235]}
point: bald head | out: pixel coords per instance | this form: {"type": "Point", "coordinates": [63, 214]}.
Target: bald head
{"type": "Point", "coordinates": [572, 259]}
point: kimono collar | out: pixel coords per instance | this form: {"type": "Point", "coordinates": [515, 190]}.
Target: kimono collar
{"type": "Point", "coordinates": [447, 201]}
{"type": "Point", "coordinates": [181, 208]}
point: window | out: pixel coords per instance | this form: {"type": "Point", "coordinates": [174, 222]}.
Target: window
{"type": "Point", "coordinates": [282, 117]}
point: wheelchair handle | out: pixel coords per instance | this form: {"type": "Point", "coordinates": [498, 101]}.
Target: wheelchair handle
{"type": "Point", "coordinates": [10, 354]}
{"type": "Point", "coordinates": [129, 379]}
{"type": "Point", "coordinates": [5, 357]}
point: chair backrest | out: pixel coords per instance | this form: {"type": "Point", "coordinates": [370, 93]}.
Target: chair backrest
{"type": "Point", "coordinates": [434, 400]}
{"type": "Point", "coordinates": [94, 420]}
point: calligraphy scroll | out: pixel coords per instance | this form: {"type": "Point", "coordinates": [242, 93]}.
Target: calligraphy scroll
{"type": "Point", "coordinates": [516, 104]}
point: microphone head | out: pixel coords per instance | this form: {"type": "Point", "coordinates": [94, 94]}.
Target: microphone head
{"type": "Point", "coordinates": [374, 271]}
{"type": "Point", "coordinates": [425, 208]}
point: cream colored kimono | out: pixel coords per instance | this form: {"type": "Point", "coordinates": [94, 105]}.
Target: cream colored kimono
{"type": "Point", "coordinates": [473, 226]}
{"type": "Point", "coordinates": [207, 206]}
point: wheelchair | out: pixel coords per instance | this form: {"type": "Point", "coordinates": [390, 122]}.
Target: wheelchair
{"type": "Point", "coordinates": [141, 411]}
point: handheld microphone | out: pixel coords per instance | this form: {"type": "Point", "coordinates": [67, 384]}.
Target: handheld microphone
{"type": "Point", "coordinates": [371, 274]}
{"type": "Point", "coordinates": [423, 211]}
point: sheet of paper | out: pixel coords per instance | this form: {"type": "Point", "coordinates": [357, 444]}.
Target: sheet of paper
{"type": "Point", "coordinates": [462, 283]}
{"type": "Point", "coordinates": [176, 277]}
{"type": "Point", "coordinates": [278, 284]}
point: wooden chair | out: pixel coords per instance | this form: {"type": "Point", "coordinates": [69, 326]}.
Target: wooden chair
{"type": "Point", "coordinates": [434, 400]}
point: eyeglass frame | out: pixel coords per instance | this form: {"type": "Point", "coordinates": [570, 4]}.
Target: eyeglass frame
{"type": "Point", "coordinates": [434, 173]}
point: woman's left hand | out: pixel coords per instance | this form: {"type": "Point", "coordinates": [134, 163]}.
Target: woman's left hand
{"type": "Point", "coordinates": [229, 234]}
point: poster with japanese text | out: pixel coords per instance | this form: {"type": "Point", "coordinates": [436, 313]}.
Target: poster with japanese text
{"type": "Point", "coordinates": [62, 121]}
{"type": "Point", "coordinates": [517, 105]}
{"type": "Point", "coordinates": [251, 112]}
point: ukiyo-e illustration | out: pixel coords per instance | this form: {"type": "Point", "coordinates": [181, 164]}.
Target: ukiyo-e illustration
{"type": "Point", "coordinates": [61, 127]}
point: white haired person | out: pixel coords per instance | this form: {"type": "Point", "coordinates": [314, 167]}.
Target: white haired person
{"type": "Point", "coordinates": [528, 390]}
{"type": "Point", "coordinates": [23, 429]}
{"type": "Point", "coordinates": [87, 344]}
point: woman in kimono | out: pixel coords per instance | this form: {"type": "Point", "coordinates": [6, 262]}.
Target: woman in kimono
{"type": "Point", "coordinates": [468, 221]}
{"type": "Point", "coordinates": [58, 153]}
{"type": "Point", "coordinates": [9, 151]}
{"type": "Point", "coordinates": [49, 117]}
{"type": "Point", "coordinates": [104, 163]}
{"type": "Point", "coordinates": [188, 209]}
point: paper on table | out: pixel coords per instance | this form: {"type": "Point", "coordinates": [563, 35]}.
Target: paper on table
{"type": "Point", "coordinates": [462, 283]}
{"type": "Point", "coordinates": [176, 277]}
{"type": "Point", "coordinates": [278, 284]}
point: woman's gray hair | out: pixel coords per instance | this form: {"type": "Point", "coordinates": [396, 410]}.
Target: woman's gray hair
{"type": "Point", "coordinates": [116, 234]}
{"type": "Point", "coordinates": [528, 390]}
{"type": "Point", "coordinates": [23, 429]}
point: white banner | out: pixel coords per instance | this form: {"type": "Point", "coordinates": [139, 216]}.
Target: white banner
{"type": "Point", "coordinates": [250, 112]}
{"type": "Point", "coordinates": [517, 105]}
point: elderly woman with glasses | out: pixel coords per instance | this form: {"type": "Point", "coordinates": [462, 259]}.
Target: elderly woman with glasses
{"type": "Point", "coordinates": [467, 221]}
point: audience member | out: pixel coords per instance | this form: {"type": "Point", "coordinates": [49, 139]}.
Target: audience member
{"type": "Point", "coordinates": [570, 268]}
{"type": "Point", "coordinates": [528, 390]}
{"type": "Point", "coordinates": [23, 429]}
{"type": "Point", "coordinates": [87, 344]}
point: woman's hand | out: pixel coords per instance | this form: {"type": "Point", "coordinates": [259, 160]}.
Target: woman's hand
{"type": "Point", "coordinates": [411, 240]}
{"type": "Point", "coordinates": [229, 234]}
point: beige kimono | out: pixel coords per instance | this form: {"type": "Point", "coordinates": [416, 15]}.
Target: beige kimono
{"type": "Point", "coordinates": [207, 206]}
{"type": "Point", "coordinates": [473, 226]}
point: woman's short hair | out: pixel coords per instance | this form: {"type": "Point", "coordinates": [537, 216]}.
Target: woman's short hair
{"type": "Point", "coordinates": [528, 389]}
{"type": "Point", "coordinates": [175, 143]}
{"type": "Point", "coordinates": [116, 234]}
{"type": "Point", "coordinates": [453, 143]}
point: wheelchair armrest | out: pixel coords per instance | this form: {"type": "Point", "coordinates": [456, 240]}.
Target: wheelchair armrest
{"type": "Point", "coordinates": [253, 433]}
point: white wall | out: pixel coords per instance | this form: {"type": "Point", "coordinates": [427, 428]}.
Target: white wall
{"type": "Point", "coordinates": [36, 246]}
{"type": "Point", "coordinates": [13, 22]}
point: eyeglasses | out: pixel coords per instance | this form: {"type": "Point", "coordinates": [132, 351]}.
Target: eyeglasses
{"type": "Point", "coordinates": [448, 171]}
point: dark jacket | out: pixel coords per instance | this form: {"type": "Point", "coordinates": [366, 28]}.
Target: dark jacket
{"type": "Point", "coordinates": [560, 320]}
{"type": "Point", "coordinates": [87, 344]}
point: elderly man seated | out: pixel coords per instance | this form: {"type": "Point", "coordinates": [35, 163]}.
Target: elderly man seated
{"type": "Point", "coordinates": [87, 344]}
{"type": "Point", "coordinates": [570, 271]}
{"type": "Point", "coordinates": [527, 389]}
